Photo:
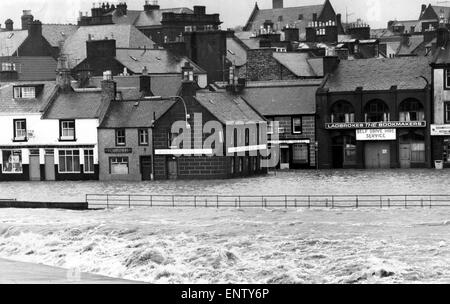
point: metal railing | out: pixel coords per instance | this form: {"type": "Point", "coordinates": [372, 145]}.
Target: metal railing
{"type": "Point", "coordinates": [267, 201]}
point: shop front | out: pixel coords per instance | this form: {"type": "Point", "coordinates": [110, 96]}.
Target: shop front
{"type": "Point", "coordinates": [440, 135]}
{"type": "Point", "coordinates": [294, 154]}
{"type": "Point", "coordinates": [378, 145]}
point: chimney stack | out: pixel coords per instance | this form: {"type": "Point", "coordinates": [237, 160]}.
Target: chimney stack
{"type": "Point", "coordinates": [35, 28]}
{"type": "Point", "coordinates": [153, 6]}
{"type": "Point", "coordinates": [199, 10]}
{"type": "Point", "coordinates": [9, 24]}
{"type": "Point", "coordinates": [330, 64]}
{"type": "Point", "coordinates": [27, 19]}
{"type": "Point", "coordinates": [442, 37]}
{"type": "Point", "coordinates": [63, 75]}
{"type": "Point", "coordinates": [278, 4]}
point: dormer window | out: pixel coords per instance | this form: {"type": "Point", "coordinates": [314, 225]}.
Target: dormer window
{"type": "Point", "coordinates": [24, 92]}
{"type": "Point", "coordinates": [8, 66]}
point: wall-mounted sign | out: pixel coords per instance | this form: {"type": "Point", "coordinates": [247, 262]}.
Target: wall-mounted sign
{"type": "Point", "coordinates": [376, 134]}
{"type": "Point", "coordinates": [376, 125]}
{"type": "Point", "coordinates": [118, 150]}
{"type": "Point", "coordinates": [440, 130]}
{"type": "Point", "coordinates": [290, 142]}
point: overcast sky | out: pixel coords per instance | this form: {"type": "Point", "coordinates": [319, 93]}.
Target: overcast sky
{"type": "Point", "coordinates": [233, 12]}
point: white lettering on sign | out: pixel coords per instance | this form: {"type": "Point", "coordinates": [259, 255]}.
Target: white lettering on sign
{"type": "Point", "coordinates": [440, 130]}
{"type": "Point", "coordinates": [376, 134]}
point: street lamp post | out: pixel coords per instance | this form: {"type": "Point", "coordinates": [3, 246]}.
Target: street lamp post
{"type": "Point", "coordinates": [176, 98]}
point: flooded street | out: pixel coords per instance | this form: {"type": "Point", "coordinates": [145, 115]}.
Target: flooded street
{"type": "Point", "coordinates": [236, 245]}
{"type": "Point", "coordinates": [327, 182]}
{"type": "Point", "coordinates": [232, 245]}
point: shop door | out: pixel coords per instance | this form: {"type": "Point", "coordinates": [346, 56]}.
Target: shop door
{"type": "Point", "coordinates": [35, 168]}
{"type": "Point", "coordinates": [49, 167]}
{"type": "Point", "coordinates": [377, 155]}
{"type": "Point", "coordinates": [338, 157]}
{"type": "Point", "coordinates": [285, 159]}
{"type": "Point", "coordinates": [146, 168]}
{"type": "Point", "coordinates": [172, 169]}
{"type": "Point", "coordinates": [405, 156]}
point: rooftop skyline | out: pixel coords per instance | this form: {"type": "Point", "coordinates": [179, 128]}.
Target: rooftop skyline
{"type": "Point", "coordinates": [375, 12]}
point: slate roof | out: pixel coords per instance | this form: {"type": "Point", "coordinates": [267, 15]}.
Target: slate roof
{"type": "Point", "coordinates": [381, 33]}
{"type": "Point", "coordinates": [157, 61]}
{"type": "Point", "coordinates": [228, 108]}
{"type": "Point", "coordinates": [130, 114]}
{"type": "Point", "coordinates": [290, 17]}
{"type": "Point", "coordinates": [10, 105]}
{"type": "Point", "coordinates": [75, 105]}
{"type": "Point", "coordinates": [236, 51]}
{"type": "Point", "coordinates": [414, 43]}
{"type": "Point", "coordinates": [33, 68]}
{"type": "Point", "coordinates": [442, 56]}
{"type": "Point", "coordinates": [248, 39]}
{"type": "Point", "coordinates": [297, 63]}
{"type": "Point", "coordinates": [126, 36]}
{"type": "Point", "coordinates": [54, 33]}
{"type": "Point", "coordinates": [10, 41]}
{"type": "Point", "coordinates": [379, 74]}
{"type": "Point", "coordinates": [279, 98]}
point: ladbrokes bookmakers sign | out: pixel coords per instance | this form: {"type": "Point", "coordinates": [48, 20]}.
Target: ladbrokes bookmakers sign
{"type": "Point", "coordinates": [376, 125]}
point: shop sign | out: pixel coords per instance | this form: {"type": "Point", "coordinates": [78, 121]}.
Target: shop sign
{"type": "Point", "coordinates": [376, 125]}
{"type": "Point", "coordinates": [440, 130]}
{"type": "Point", "coordinates": [118, 150]}
{"type": "Point", "coordinates": [376, 134]}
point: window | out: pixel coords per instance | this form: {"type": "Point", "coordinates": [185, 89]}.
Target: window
{"type": "Point", "coordinates": [89, 161]}
{"type": "Point", "coordinates": [8, 66]}
{"type": "Point", "coordinates": [247, 137]}
{"type": "Point", "coordinates": [297, 125]}
{"type": "Point", "coordinates": [342, 111]}
{"type": "Point", "coordinates": [446, 152]}
{"type": "Point", "coordinates": [120, 137]}
{"type": "Point", "coordinates": [69, 161]}
{"type": "Point", "coordinates": [143, 137]}
{"type": "Point", "coordinates": [241, 164]}
{"type": "Point", "coordinates": [24, 92]}
{"type": "Point", "coordinates": [411, 110]}
{"type": "Point", "coordinates": [447, 78]}
{"type": "Point", "coordinates": [67, 130]}
{"type": "Point", "coordinates": [377, 111]}
{"type": "Point", "coordinates": [300, 17]}
{"type": "Point", "coordinates": [447, 112]}
{"type": "Point", "coordinates": [418, 152]}
{"type": "Point", "coordinates": [300, 153]}
{"type": "Point", "coordinates": [20, 130]}
{"type": "Point", "coordinates": [170, 138]}
{"type": "Point", "coordinates": [118, 165]}
{"type": "Point", "coordinates": [280, 18]}
{"type": "Point", "coordinates": [232, 165]}
{"type": "Point", "coordinates": [12, 162]}
{"type": "Point", "coordinates": [320, 32]}
{"type": "Point", "coordinates": [254, 164]}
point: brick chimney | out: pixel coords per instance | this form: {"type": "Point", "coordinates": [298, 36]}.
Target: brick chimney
{"type": "Point", "coordinates": [199, 10]}
{"type": "Point", "coordinates": [109, 91]}
{"type": "Point", "coordinates": [277, 3]}
{"type": "Point", "coordinates": [122, 9]}
{"type": "Point", "coordinates": [442, 37]}
{"type": "Point", "coordinates": [63, 79]}
{"type": "Point", "coordinates": [35, 28]}
{"type": "Point", "coordinates": [145, 85]}
{"type": "Point", "coordinates": [330, 64]}
{"type": "Point", "coordinates": [151, 6]}
{"type": "Point", "coordinates": [9, 25]}
{"type": "Point", "coordinates": [27, 18]}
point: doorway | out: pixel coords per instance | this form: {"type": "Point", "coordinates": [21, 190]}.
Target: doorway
{"type": "Point", "coordinates": [49, 166]}
{"type": "Point", "coordinates": [377, 155]}
{"type": "Point", "coordinates": [285, 158]}
{"type": "Point", "coordinates": [35, 166]}
{"type": "Point", "coordinates": [172, 169]}
{"type": "Point", "coordinates": [405, 156]}
{"type": "Point", "coordinates": [146, 168]}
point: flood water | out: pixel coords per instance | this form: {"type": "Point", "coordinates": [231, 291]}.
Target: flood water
{"type": "Point", "coordinates": [312, 182]}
